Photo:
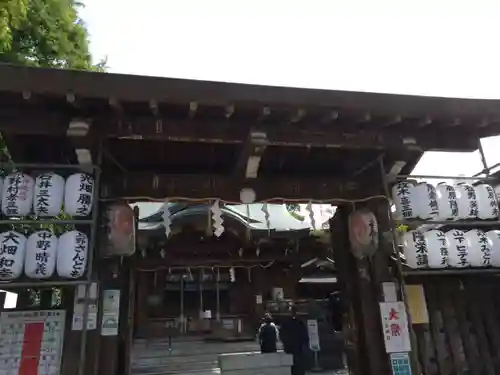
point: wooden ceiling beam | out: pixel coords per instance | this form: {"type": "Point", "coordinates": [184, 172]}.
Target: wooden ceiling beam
{"type": "Point", "coordinates": [143, 186]}
{"type": "Point", "coordinates": [236, 132]}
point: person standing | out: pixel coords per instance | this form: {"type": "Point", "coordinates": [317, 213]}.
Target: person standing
{"type": "Point", "coordinates": [295, 340]}
{"type": "Point", "coordinates": [268, 335]}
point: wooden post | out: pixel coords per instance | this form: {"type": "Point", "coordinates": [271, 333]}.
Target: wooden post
{"type": "Point", "coordinates": [366, 352]}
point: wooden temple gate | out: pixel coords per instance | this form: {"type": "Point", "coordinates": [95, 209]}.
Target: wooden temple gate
{"type": "Point", "coordinates": [157, 139]}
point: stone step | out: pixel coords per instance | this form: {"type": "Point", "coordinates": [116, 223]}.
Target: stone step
{"type": "Point", "coordinates": [168, 360]}
{"type": "Point", "coordinates": [215, 371]}
{"type": "Point", "coordinates": [176, 367]}
{"type": "Point", "coordinates": [194, 349]}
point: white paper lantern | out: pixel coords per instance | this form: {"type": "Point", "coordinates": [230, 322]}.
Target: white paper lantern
{"type": "Point", "coordinates": [426, 201]}
{"type": "Point", "coordinates": [12, 254]}
{"type": "Point", "coordinates": [41, 253]}
{"type": "Point", "coordinates": [363, 233]}
{"type": "Point", "coordinates": [49, 194]}
{"type": "Point", "coordinates": [72, 251]}
{"type": "Point", "coordinates": [404, 200]}
{"type": "Point", "coordinates": [415, 249]}
{"type": "Point", "coordinates": [79, 194]}
{"type": "Point", "coordinates": [17, 194]}
{"type": "Point", "coordinates": [480, 248]}
{"type": "Point", "coordinates": [486, 201]}
{"type": "Point", "coordinates": [458, 254]}
{"type": "Point", "coordinates": [494, 237]}
{"type": "Point", "coordinates": [467, 201]}
{"type": "Point", "coordinates": [438, 249]}
{"type": "Point", "coordinates": [446, 201]}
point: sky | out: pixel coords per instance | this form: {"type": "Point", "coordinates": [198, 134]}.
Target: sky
{"type": "Point", "coordinates": [421, 47]}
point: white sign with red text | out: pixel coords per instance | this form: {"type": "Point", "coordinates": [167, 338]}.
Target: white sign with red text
{"type": "Point", "coordinates": [395, 327]}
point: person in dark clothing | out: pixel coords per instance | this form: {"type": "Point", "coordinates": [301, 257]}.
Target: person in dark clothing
{"type": "Point", "coordinates": [268, 335]}
{"type": "Point", "coordinates": [295, 340]}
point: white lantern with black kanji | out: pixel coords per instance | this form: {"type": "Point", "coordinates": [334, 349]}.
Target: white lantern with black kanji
{"type": "Point", "coordinates": [12, 254]}
{"type": "Point", "coordinates": [494, 237]}
{"type": "Point", "coordinates": [72, 251]}
{"type": "Point", "coordinates": [458, 250]}
{"type": "Point", "coordinates": [17, 194]}
{"type": "Point", "coordinates": [426, 199]}
{"type": "Point", "coordinates": [415, 249]}
{"type": "Point", "coordinates": [438, 249]}
{"type": "Point", "coordinates": [446, 201]}
{"type": "Point", "coordinates": [79, 194]}
{"type": "Point", "coordinates": [41, 253]}
{"type": "Point", "coordinates": [49, 194]}
{"type": "Point", "coordinates": [404, 200]}
{"type": "Point", "coordinates": [480, 248]}
{"type": "Point", "coordinates": [467, 201]}
{"type": "Point", "coordinates": [487, 202]}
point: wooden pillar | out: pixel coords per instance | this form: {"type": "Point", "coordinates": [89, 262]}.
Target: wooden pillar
{"type": "Point", "coordinates": [366, 351]}
{"type": "Point", "coordinates": [141, 314]}
{"type": "Point", "coordinates": [112, 353]}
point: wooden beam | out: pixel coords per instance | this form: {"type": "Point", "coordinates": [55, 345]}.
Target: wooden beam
{"type": "Point", "coordinates": [91, 85]}
{"type": "Point", "coordinates": [236, 132]}
{"type": "Point", "coordinates": [140, 185]}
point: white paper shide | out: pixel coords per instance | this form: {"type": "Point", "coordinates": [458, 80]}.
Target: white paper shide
{"type": "Point", "coordinates": [12, 254]}
{"type": "Point", "coordinates": [72, 254]}
{"type": "Point", "coordinates": [79, 194]}
{"type": "Point", "coordinates": [41, 253]}
{"type": "Point", "coordinates": [17, 194]}
{"type": "Point", "coordinates": [48, 195]}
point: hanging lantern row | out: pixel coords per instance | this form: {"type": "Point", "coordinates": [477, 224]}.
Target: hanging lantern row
{"type": "Point", "coordinates": [47, 194]}
{"type": "Point", "coordinates": [42, 254]}
{"type": "Point", "coordinates": [444, 202]}
{"type": "Point", "coordinates": [452, 249]}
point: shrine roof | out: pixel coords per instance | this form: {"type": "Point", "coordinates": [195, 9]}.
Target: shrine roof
{"type": "Point", "coordinates": [186, 138]}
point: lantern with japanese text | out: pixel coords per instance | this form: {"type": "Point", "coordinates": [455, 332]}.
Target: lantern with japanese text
{"type": "Point", "coordinates": [480, 248]}
{"type": "Point", "coordinates": [467, 201]}
{"type": "Point", "coordinates": [458, 250]}
{"type": "Point", "coordinates": [415, 249]}
{"type": "Point", "coordinates": [404, 200]}
{"type": "Point", "coordinates": [41, 253]}
{"type": "Point", "coordinates": [119, 232]}
{"type": "Point", "coordinates": [487, 203]}
{"type": "Point", "coordinates": [49, 194]}
{"type": "Point", "coordinates": [363, 233]}
{"type": "Point", "coordinates": [426, 198]}
{"type": "Point", "coordinates": [17, 194]}
{"type": "Point", "coordinates": [12, 255]}
{"type": "Point", "coordinates": [72, 251]}
{"type": "Point", "coordinates": [79, 194]}
{"type": "Point", "coordinates": [438, 248]}
{"type": "Point", "coordinates": [494, 237]}
{"type": "Point", "coordinates": [446, 201]}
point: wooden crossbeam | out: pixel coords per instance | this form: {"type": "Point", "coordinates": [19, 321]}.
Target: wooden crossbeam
{"type": "Point", "coordinates": [141, 185]}
{"type": "Point", "coordinates": [236, 132]}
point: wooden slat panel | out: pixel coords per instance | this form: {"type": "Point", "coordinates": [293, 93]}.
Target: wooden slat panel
{"type": "Point", "coordinates": [451, 327]}
{"type": "Point", "coordinates": [479, 329]}
{"type": "Point", "coordinates": [438, 332]}
{"type": "Point", "coordinates": [468, 338]}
